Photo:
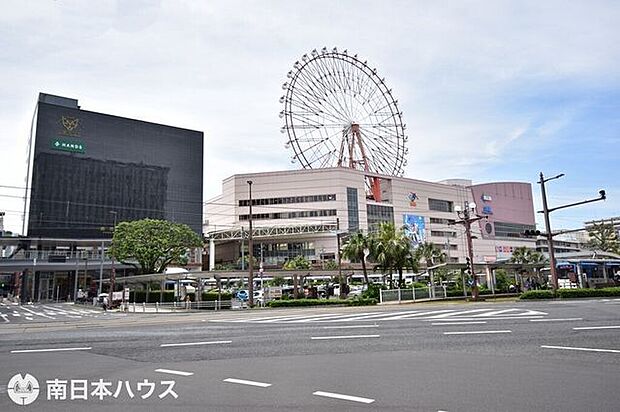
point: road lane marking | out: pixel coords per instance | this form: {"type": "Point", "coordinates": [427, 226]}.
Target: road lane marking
{"type": "Point", "coordinates": [493, 318]}
{"type": "Point", "coordinates": [350, 327]}
{"type": "Point", "coordinates": [459, 313]}
{"type": "Point", "coordinates": [37, 313]}
{"type": "Point", "coordinates": [245, 382]}
{"type": "Point", "coordinates": [49, 350]}
{"type": "Point", "coordinates": [166, 345]}
{"type": "Point", "coordinates": [416, 314]}
{"type": "Point", "coordinates": [5, 317]}
{"type": "Point", "coordinates": [475, 332]}
{"type": "Point", "coordinates": [343, 397]}
{"type": "Point", "coordinates": [596, 327]}
{"type": "Point", "coordinates": [580, 349]}
{"type": "Point", "coordinates": [173, 372]}
{"type": "Point", "coordinates": [458, 323]}
{"type": "Point", "coordinates": [555, 320]}
{"type": "Point", "coordinates": [343, 337]}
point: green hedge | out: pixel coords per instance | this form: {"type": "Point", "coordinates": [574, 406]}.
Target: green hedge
{"type": "Point", "coordinates": [572, 293]}
{"type": "Point", "coordinates": [537, 294]}
{"type": "Point", "coordinates": [139, 296]}
{"type": "Point", "coordinates": [321, 302]}
{"type": "Point", "coordinates": [588, 293]}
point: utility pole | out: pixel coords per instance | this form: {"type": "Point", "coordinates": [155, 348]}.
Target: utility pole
{"type": "Point", "coordinates": [113, 273]}
{"type": "Point", "coordinates": [251, 254]}
{"type": "Point", "coordinates": [546, 211]}
{"type": "Point", "coordinates": [340, 278]}
{"type": "Point", "coordinates": [465, 214]}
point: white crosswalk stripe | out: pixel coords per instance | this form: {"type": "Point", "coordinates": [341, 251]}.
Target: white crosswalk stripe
{"type": "Point", "coordinates": [427, 315]}
{"type": "Point", "coordinates": [42, 313]}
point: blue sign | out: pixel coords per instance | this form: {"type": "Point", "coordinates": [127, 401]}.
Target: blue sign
{"type": "Point", "coordinates": [487, 210]}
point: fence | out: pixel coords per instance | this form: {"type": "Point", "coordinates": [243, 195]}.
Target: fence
{"type": "Point", "coordinates": [178, 306]}
{"type": "Point", "coordinates": [413, 295]}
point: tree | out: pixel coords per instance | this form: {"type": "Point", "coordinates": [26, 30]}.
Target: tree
{"type": "Point", "coordinates": [299, 262]}
{"type": "Point", "coordinates": [355, 249]}
{"type": "Point", "coordinates": [391, 249]}
{"type": "Point", "coordinates": [603, 236]}
{"type": "Point", "coordinates": [153, 244]}
{"type": "Point", "coordinates": [526, 256]}
{"type": "Point", "coordinates": [431, 254]}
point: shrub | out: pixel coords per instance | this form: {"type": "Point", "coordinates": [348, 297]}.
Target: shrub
{"type": "Point", "coordinates": [537, 294]}
{"type": "Point", "coordinates": [305, 302]}
{"type": "Point", "coordinates": [362, 302]}
{"type": "Point", "coordinates": [589, 293]}
{"type": "Point", "coordinates": [373, 291]}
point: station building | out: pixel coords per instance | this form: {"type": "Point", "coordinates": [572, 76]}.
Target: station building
{"type": "Point", "coordinates": [302, 212]}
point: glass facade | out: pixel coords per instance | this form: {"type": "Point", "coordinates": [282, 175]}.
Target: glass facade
{"type": "Point", "coordinates": [86, 165]}
{"type": "Point", "coordinates": [353, 210]}
{"type": "Point", "coordinates": [440, 205]}
{"type": "Point", "coordinates": [377, 214]}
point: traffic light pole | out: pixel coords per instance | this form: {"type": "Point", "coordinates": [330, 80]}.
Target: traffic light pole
{"type": "Point", "coordinates": [250, 255]}
{"type": "Point", "coordinates": [554, 273]}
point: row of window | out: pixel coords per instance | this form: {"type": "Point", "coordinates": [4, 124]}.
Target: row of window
{"type": "Point", "coordinates": [441, 221]}
{"type": "Point", "coordinates": [290, 215]}
{"type": "Point", "coordinates": [288, 200]}
{"type": "Point", "coordinates": [442, 233]}
{"type": "Point", "coordinates": [440, 205]}
{"type": "Point", "coordinates": [503, 229]}
{"type": "Point", "coordinates": [444, 246]}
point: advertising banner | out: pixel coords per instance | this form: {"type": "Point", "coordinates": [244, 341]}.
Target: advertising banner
{"type": "Point", "coordinates": [415, 229]}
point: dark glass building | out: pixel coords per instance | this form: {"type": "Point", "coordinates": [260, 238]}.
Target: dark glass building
{"type": "Point", "coordinates": [92, 169]}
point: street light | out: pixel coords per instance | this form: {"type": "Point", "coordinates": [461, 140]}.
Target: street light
{"type": "Point", "coordinates": [251, 254]}
{"type": "Point", "coordinates": [546, 211]}
{"type": "Point", "coordinates": [465, 214]}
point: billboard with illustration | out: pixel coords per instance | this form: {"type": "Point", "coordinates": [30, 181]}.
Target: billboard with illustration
{"type": "Point", "coordinates": [415, 228]}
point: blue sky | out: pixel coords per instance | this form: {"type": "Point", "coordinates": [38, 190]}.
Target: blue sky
{"type": "Point", "coordinates": [490, 90]}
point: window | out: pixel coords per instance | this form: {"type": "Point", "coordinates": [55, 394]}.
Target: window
{"type": "Point", "coordinates": [290, 215]}
{"type": "Point", "coordinates": [440, 205]}
{"type": "Point", "coordinates": [377, 214]}
{"type": "Point", "coordinates": [441, 233]}
{"type": "Point", "coordinates": [503, 229]}
{"type": "Point", "coordinates": [440, 221]}
{"type": "Point", "coordinates": [288, 200]}
{"type": "Point", "coordinates": [352, 207]}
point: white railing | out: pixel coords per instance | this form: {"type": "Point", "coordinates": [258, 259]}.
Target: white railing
{"type": "Point", "coordinates": [157, 307]}
{"type": "Point", "coordinates": [413, 294]}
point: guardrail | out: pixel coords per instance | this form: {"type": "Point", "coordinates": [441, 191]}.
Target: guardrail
{"type": "Point", "coordinates": [413, 294]}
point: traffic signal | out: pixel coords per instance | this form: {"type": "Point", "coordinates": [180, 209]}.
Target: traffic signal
{"type": "Point", "coordinates": [530, 233]}
{"type": "Point", "coordinates": [468, 268]}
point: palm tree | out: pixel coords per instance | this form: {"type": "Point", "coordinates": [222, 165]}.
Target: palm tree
{"type": "Point", "coordinates": [604, 237]}
{"type": "Point", "coordinates": [356, 248]}
{"type": "Point", "coordinates": [431, 254]}
{"type": "Point", "coordinates": [391, 249]}
{"type": "Point", "coordinates": [526, 256]}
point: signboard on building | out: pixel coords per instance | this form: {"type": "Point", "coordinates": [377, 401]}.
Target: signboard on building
{"type": "Point", "coordinates": [415, 229]}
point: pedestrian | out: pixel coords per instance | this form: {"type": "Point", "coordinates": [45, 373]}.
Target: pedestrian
{"type": "Point", "coordinates": [105, 304]}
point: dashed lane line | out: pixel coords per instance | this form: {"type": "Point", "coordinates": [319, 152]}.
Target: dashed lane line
{"type": "Point", "coordinates": [597, 327]}
{"type": "Point", "coordinates": [167, 345]}
{"type": "Point", "coordinates": [556, 320]}
{"type": "Point", "coordinates": [343, 397]}
{"type": "Point", "coordinates": [173, 372]}
{"type": "Point", "coordinates": [246, 382]}
{"type": "Point", "coordinates": [477, 332]}
{"type": "Point", "coordinates": [458, 323]}
{"type": "Point", "coordinates": [50, 350]}
{"type": "Point", "coordinates": [344, 337]}
{"type": "Point", "coordinates": [350, 327]}
{"type": "Point", "coordinates": [580, 349]}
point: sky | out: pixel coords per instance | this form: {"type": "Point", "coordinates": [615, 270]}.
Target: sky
{"type": "Point", "coordinates": [489, 90]}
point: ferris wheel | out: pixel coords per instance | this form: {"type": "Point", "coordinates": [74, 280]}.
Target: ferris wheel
{"type": "Point", "coordinates": [339, 113]}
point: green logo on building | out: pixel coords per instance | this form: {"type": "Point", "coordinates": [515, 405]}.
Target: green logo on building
{"type": "Point", "coordinates": [72, 146]}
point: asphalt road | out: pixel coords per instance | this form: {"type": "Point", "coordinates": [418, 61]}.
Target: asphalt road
{"type": "Point", "coordinates": [509, 356]}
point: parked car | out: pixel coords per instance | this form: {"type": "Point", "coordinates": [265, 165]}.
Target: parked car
{"type": "Point", "coordinates": [242, 295]}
